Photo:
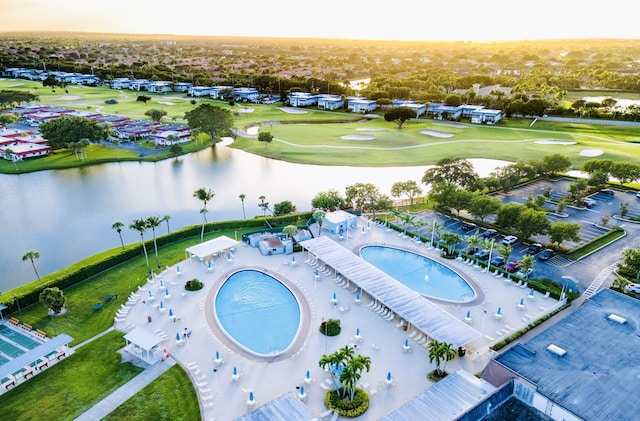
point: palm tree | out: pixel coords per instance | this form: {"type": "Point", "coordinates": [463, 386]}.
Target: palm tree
{"type": "Point", "coordinates": [204, 195]}
{"type": "Point", "coordinates": [505, 252]}
{"type": "Point", "coordinates": [264, 205]}
{"type": "Point", "coordinates": [118, 227]}
{"type": "Point", "coordinates": [436, 229]}
{"type": "Point", "coordinates": [242, 197]}
{"type": "Point", "coordinates": [435, 354]}
{"type": "Point", "coordinates": [474, 241]}
{"type": "Point", "coordinates": [450, 240]}
{"type": "Point", "coordinates": [290, 230]}
{"type": "Point", "coordinates": [353, 372]}
{"type": "Point", "coordinates": [153, 222]}
{"type": "Point", "coordinates": [318, 215]}
{"type": "Point", "coordinates": [166, 219]}
{"type": "Point", "coordinates": [140, 225]}
{"type": "Point", "coordinates": [32, 256]}
{"type": "Point", "coordinates": [526, 265]}
{"type": "Point", "coordinates": [448, 353]}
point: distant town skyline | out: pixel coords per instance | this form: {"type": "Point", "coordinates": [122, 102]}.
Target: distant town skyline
{"type": "Point", "coordinates": [464, 20]}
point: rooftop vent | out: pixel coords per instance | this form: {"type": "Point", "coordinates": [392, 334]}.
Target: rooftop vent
{"type": "Point", "coordinates": [617, 319]}
{"type": "Point", "coordinates": [555, 349]}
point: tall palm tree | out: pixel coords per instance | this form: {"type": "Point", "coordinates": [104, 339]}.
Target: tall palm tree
{"type": "Point", "coordinates": [264, 205]}
{"type": "Point", "coordinates": [318, 215]}
{"type": "Point", "coordinates": [474, 241]}
{"type": "Point", "coordinates": [140, 225]}
{"type": "Point", "coordinates": [242, 197]}
{"type": "Point", "coordinates": [448, 354]}
{"type": "Point", "coordinates": [353, 372]}
{"type": "Point", "coordinates": [153, 222]}
{"type": "Point", "coordinates": [204, 195]}
{"type": "Point", "coordinates": [290, 230]}
{"type": "Point", "coordinates": [435, 354]}
{"type": "Point", "coordinates": [118, 227]}
{"type": "Point", "coordinates": [32, 256]}
{"type": "Point", "coordinates": [526, 265]}
{"type": "Point", "coordinates": [505, 251]}
{"type": "Point", "coordinates": [166, 219]}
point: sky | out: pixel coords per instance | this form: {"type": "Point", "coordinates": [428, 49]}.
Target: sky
{"type": "Point", "coordinates": [458, 20]}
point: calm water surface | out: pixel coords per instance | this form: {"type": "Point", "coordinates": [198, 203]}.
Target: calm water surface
{"type": "Point", "coordinates": [66, 215]}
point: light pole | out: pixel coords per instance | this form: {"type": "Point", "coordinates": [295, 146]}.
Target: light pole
{"type": "Point", "coordinates": [484, 316]}
{"type": "Point", "coordinates": [490, 253]}
{"type": "Point", "coordinates": [53, 322]}
{"type": "Point", "coordinates": [15, 298]}
{"type": "Point", "coordinates": [325, 333]}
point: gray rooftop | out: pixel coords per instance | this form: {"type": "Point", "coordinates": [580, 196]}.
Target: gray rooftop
{"type": "Point", "coordinates": [404, 301]}
{"type": "Point", "coordinates": [600, 369]}
{"type": "Point", "coordinates": [284, 408]}
{"type": "Point", "coordinates": [33, 354]}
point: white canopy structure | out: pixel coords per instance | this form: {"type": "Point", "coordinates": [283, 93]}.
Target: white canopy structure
{"type": "Point", "coordinates": [284, 408]}
{"type": "Point", "coordinates": [209, 248]}
{"type": "Point", "coordinates": [404, 301]}
{"type": "Point", "coordinates": [143, 344]}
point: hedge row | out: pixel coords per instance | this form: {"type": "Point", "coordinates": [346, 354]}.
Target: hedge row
{"type": "Point", "coordinates": [80, 271]}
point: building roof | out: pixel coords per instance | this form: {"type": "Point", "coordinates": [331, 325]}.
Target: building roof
{"type": "Point", "coordinates": [143, 338]}
{"type": "Point", "coordinates": [210, 247]}
{"type": "Point", "coordinates": [404, 301]}
{"type": "Point", "coordinates": [33, 354]}
{"type": "Point", "coordinates": [445, 400]}
{"type": "Point", "coordinates": [339, 216]}
{"type": "Point", "coordinates": [284, 408]}
{"type": "Point", "coordinates": [600, 368]}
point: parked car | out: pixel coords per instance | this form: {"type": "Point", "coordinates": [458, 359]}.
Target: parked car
{"type": "Point", "coordinates": [497, 261]}
{"type": "Point", "coordinates": [608, 191]}
{"type": "Point", "coordinates": [522, 274]}
{"type": "Point", "coordinates": [489, 233]}
{"type": "Point", "coordinates": [511, 266]}
{"type": "Point", "coordinates": [482, 255]}
{"type": "Point", "coordinates": [635, 288]}
{"type": "Point", "coordinates": [534, 248]}
{"type": "Point", "coordinates": [638, 195]}
{"type": "Point", "coordinates": [588, 202]}
{"type": "Point", "coordinates": [509, 240]}
{"type": "Point", "coordinates": [569, 283]}
{"type": "Point", "coordinates": [545, 255]}
{"type": "Point", "coordinates": [468, 226]}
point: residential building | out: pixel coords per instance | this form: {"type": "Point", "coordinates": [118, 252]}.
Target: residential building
{"type": "Point", "coordinates": [361, 105]}
{"type": "Point", "coordinates": [330, 102]}
{"type": "Point", "coordinates": [302, 99]}
{"type": "Point", "coordinates": [486, 116]}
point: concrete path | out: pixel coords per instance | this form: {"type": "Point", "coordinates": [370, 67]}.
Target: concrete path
{"type": "Point", "coordinates": [93, 338]}
{"type": "Point", "coordinates": [124, 392]}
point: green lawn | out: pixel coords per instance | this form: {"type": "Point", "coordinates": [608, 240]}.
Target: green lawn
{"type": "Point", "coordinates": [170, 397]}
{"type": "Point", "coordinates": [72, 386]}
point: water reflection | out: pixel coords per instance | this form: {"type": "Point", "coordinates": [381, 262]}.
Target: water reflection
{"type": "Point", "coordinates": [67, 215]}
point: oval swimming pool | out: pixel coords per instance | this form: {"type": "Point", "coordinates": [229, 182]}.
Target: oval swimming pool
{"type": "Point", "coordinates": [257, 312]}
{"type": "Point", "coordinates": [423, 275]}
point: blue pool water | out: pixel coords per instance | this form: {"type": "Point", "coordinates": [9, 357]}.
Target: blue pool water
{"type": "Point", "coordinates": [258, 312]}
{"type": "Point", "coordinates": [423, 275]}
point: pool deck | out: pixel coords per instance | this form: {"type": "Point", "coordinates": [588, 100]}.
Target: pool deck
{"type": "Point", "coordinates": [223, 398]}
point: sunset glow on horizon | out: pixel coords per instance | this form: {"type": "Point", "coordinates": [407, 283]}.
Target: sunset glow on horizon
{"type": "Point", "coordinates": [467, 20]}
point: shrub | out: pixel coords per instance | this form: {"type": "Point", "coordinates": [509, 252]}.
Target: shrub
{"type": "Point", "coordinates": [330, 327]}
{"type": "Point", "coordinates": [193, 285]}
{"type": "Point", "coordinates": [346, 408]}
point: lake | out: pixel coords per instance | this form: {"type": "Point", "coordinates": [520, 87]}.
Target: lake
{"type": "Point", "coordinates": [66, 215]}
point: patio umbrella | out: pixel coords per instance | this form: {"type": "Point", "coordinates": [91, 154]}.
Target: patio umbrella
{"type": "Point", "coordinates": [161, 305]}
{"type": "Point", "coordinates": [363, 229]}
{"type": "Point", "coordinates": [235, 371]}
{"type": "Point", "coordinates": [178, 337]}
{"type": "Point", "coordinates": [316, 273]}
{"type": "Point", "coordinates": [389, 376]}
{"type": "Point", "coordinates": [521, 301]}
{"type": "Point", "coordinates": [229, 256]}
{"type": "Point", "coordinates": [170, 313]}
{"type": "Point", "coordinates": [406, 343]}
{"type": "Point", "coordinates": [308, 375]}
{"type": "Point", "coordinates": [209, 264]}
{"type": "Point", "coordinates": [217, 355]}
{"type": "Point", "coordinates": [150, 294]}
{"type": "Point", "coordinates": [293, 259]}
{"type": "Point", "coordinates": [166, 292]}
{"type": "Point", "coordinates": [358, 296]}
{"type": "Point", "coordinates": [468, 315]}
{"type": "Point", "coordinates": [251, 398]}
{"type": "Point", "coordinates": [531, 292]}
{"type": "Point", "coordinates": [499, 311]}
{"type": "Point", "coordinates": [301, 390]}
{"type": "Point", "coordinates": [161, 283]}
{"type": "Point", "coordinates": [357, 331]}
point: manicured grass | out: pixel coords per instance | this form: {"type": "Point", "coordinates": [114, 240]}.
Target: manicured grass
{"type": "Point", "coordinates": [72, 386]}
{"type": "Point", "coordinates": [170, 397]}
{"type": "Point", "coordinates": [79, 321]}
{"type": "Point", "coordinates": [596, 243]}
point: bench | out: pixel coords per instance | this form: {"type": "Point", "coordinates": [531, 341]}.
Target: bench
{"type": "Point", "coordinates": [26, 327]}
{"type": "Point", "coordinates": [14, 321]}
{"type": "Point", "coordinates": [41, 334]}
{"type": "Point", "coordinates": [109, 298]}
{"type": "Point", "coordinates": [96, 307]}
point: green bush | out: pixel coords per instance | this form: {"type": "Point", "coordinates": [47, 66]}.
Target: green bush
{"type": "Point", "coordinates": [193, 285]}
{"type": "Point", "coordinates": [346, 408]}
{"type": "Point", "coordinates": [330, 327]}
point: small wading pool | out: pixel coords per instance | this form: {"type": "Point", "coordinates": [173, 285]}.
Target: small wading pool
{"type": "Point", "coordinates": [257, 312]}
{"type": "Point", "coordinates": [423, 275]}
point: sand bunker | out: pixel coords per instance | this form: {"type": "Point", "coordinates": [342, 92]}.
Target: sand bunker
{"type": "Point", "coordinates": [372, 116]}
{"type": "Point", "coordinates": [590, 152]}
{"type": "Point", "coordinates": [253, 130]}
{"type": "Point", "coordinates": [166, 103]}
{"type": "Point", "coordinates": [358, 137]}
{"type": "Point", "coordinates": [436, 133]}
{"type": "Point", "coordinates": [455, 125]}
{"type": "Point", "coordinates": [370, 129]}
{"type": "Point", "coordinates": [70, 97]}
{"type": "Point", "coordinates": [245, 110]}
{"type": "Point", "coordinates": [289, 110]}
{"type": "Point", "coordinates": [555, 142]}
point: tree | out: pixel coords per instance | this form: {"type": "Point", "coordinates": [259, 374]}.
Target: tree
{"type": "Point", "coordinates": [265, 137]}
{"type": "Point", "coordinates": [53, 299]}
{"type": "Point", "coordinates": [504, 251]}
{"type": "Point", "coordinates": [399, 115]}
{"type": "Point", "coordinates": [210, 119]}
{"type": "Point", "coordinates": [318, 215]}
{"type": "Point", "coordinates": [10, 97]}
{"type": "Point", "coordinates": [624, 208]}
{"type": "Point", "coordinates": [166, 219]}
{"type": "Point", "coordinates": [526, 265]}
{"type": "Point", "coordinates": [330, 200]}
{"type": "Point", "coordinates": [562, 231]}
{"type": "Point", "coordinates": [508, 215]}
{"type": "Point", "coordinates": [631, 260]}
{"type": "Point", "coordinates": [352, 366]}
{"type": "Point", "coordinates": [625, 171]}
{"type": "Point", "coordinates": [556, 163]}
{"type": "Point", "coordinates": [452, 171]}
{"type": "Point", "coordinates": [204, 195]}
{"type": "Point", "coordinates": [32, 256]}
{"type": "Point", "coordinates": [154, 222]}
{"type": "Point", "coordinates": [578, 188]}
{"type": "Point", "coordinates": [263, 205]}
{"type": "Point", "coordinates": [450, 240]}
{"type": "Point", "coordinates": [118, 227]}
{"type": "Point", "coordinates": [460, 199]}
{"type": "Point", "coordinates": [352, 373]}
{"type": "Point", "coordinates": [531, 222]}
{"type": "Point", "coordinates": [8, 118]}
{"type": "Point", "coordinates": [358, 194]}
{"type": "Point", "coordinates": [242, 197]}
{"type": "Point", "coordinates": [60, 132]}
{"type": "Point", "coordinates": [140, 225]}
{"type": "Point", "coordinates": [155, 114]}
{"type": "Point", "coordinates": [175, 148]}
{"type": "Point", "coordinates": [482, 206]}
{"type": "Point", "coordinates": [283, 208]}
{"type": "Point", "coordinates": [290, 230]}
{"type": "Point", "coordinates": [438, 352]}
{"type": "Point", "coordinates": [143, 98]}
{"type": "Point", "coordinates": [597, 165]}
{"type": "Point", "coordinates": [407, 188]}
{"type": "Point", "coordinates": [474, 241]}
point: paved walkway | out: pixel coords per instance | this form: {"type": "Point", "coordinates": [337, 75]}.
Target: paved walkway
{"type": "Point", "coordinates": [99, 335]}
{"type": "Point", "coordinates": [124, 392]}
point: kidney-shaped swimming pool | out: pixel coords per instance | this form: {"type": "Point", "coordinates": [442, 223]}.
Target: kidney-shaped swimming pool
{"type": "Point", "coordinates": [423, 275]}
{"type": "Point", "coordinates": [257, 312]}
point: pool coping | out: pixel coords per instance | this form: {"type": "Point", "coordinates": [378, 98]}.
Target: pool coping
{"type": "Point", "coordinates": [305, 316]}
{"type": "Point", "coordinates": [480, 297]}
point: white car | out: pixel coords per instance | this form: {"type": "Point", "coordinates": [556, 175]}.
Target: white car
{"type": "Point", "coordinates": [509, 240]}
{"type": "Point", "coordinates": [638, 195]}
{"type": "Point", "coordinates": [635, 288]}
